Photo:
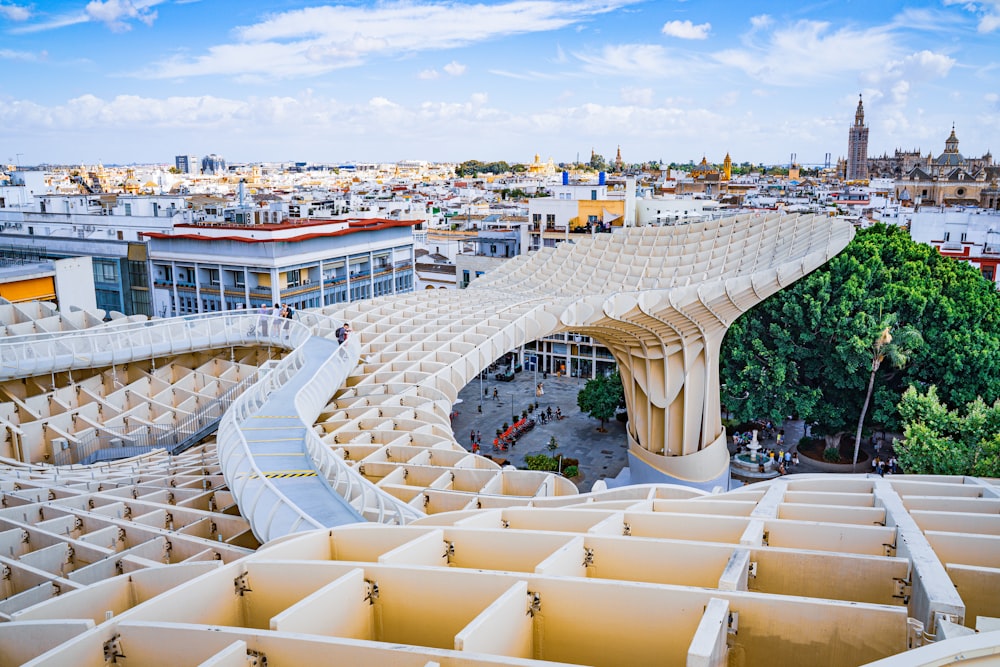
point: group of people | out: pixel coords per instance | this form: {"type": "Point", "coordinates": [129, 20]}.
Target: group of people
{"type": "Point", "coordinates": [281, 311]}
{"type": "Point", "coordinates": [781, 461]}
{"type": "Point", "coordinates": [881, 466]}
{"type": "Point", "coordinates": [547, 415]}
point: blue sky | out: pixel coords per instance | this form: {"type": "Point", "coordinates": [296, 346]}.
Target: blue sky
{"type": "Point", "coordinates": [143, 80]}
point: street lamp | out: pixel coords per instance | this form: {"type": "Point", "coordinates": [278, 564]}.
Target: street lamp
{"type": "Point", "coordinates": [480, 390]}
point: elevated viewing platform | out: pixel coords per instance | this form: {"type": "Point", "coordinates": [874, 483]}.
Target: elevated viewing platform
{"type": "Point", "coordinates": [334, 517]}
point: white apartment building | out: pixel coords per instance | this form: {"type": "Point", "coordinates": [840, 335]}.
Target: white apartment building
{"type": "Point", "coordinates": [304, 263]}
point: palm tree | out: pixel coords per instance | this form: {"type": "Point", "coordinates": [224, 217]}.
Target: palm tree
{"type": "Point", "coordinates": [897, 350]}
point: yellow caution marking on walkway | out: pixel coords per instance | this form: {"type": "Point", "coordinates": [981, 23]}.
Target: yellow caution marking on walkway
{"type": "Point", "coordinates": [285, 474]}
{"type": "Point", "coordinates": [265, 428]}
{"type": "Point", "coordinates": [279, 440]}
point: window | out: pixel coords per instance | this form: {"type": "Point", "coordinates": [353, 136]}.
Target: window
{"type": "Point", "coordinates": [465, 278]}
{"type": "Point", "coordinates": [550, 218]}
{"type": "Point", "coordinates": [947, 236]}
{"type": "Point", "coordinates": [137, 274]}
{"type": "Point", "coordinates": [294, 278]}
{"type": "Point", "coordinates": [213, 276]}
{"type": "Point", "coordinates": [988, 273]}
{"type": "Point", "coordinates": [593, 195]}
{"type": "Point", "coordinates": [106, 272]}
{"type": "Point", "coordinates": [128, 209]}
{"type": "Point", "coordinates": [536, 218]}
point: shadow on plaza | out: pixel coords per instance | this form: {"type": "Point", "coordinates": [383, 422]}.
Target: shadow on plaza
{"type": "Point", "coordinates": [601, 455]}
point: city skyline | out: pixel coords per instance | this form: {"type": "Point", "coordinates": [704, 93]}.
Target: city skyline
{"type": "Point", "coordinates": [125, 81]}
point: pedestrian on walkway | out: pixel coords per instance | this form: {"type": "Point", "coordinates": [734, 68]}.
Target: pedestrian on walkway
{"type": "Point", "coordinates": [479, 437]}
{"type": "Point", "coordinates": [263, 315]}
{"type": "Point", "coordinates": [496, 394]}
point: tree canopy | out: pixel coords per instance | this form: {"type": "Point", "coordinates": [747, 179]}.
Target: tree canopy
{"type": "Point", "coordinates": [601, 397]}
{"type": "Point", "coordinates": [806, 350]}
{"type": "Point", "coordinates": [598, 163]}
{"type": "Point", "coordinates": [473, 167]}
{"type": "Point", "coordinates": [940, 441]}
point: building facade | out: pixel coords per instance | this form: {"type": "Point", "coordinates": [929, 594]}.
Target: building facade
{"type": "Point", "coordinates": [969, 236]}
{"type": "Point", "coordinates": [306, 264]}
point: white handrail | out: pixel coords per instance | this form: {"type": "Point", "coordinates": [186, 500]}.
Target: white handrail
{"type": "Point", "coordinates": [39, 354]}
{"type": "Point", "coordinates": [372, 502]}
{"type": "Point", "coordinates": [240, 469]}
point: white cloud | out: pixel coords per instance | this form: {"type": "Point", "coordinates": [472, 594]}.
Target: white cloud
{"type": "Point", "coordinates": [639, 96]}
{"type": "Point", "coordinates": [728, 99]}
{"type": "Point", "coordinates": [525, 76]}
{"type": "Point", "coordinates": [686, 29]}
{"type": "Point", "coordinates": [810, 50]}
{"type": "Point", "coordinates": [920, 65]}
{"type": "Point", "coordinates": [13, 12]}
{"type": "Point", "coordinates": [116, 13]}
{"type": "Point", "coordinates": [455, 68]}
{"type": "Point", "coordinates": [635, 60]}
{"type": "Point", "coordinates": [898, 76]}
{"type": "Point", "coordinates": [760, 22]}
{"type": "Point", "coordinates": [25, 56]}
{"type": "Point", "coordinates": [321, 39]}
{"type": "Point", "coordinates": [429, 74]}
{"type": "Point", "coordinates": [988, 12]}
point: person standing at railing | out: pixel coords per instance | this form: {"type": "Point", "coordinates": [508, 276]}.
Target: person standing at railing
{"type": "Point", "coordinates": [287, 313]}
{"type": "Point", "coordinates": [275, 322]}
{"type": "Point", "coordinates": [263, 314]}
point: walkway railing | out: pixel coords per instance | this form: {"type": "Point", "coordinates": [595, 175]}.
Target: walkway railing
{"type": "Point", "coordinates": [270, 513]}
{"type": "Point", "coordinates": [373, 503]}
{"type": "Point", "coordinates": [124, 441]}
{"type": "Point", "coordinates": [39, 354]}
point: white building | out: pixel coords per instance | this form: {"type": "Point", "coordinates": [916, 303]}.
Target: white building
{"type": "Point", "coordinates": [306, 264]}
{"type": "Point", "coordinates": [971, 235]}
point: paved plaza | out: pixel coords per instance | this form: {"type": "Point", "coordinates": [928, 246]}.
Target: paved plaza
{"type": "Point", "coordinates": [601, 455]}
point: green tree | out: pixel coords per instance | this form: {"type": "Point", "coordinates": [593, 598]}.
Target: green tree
{"type": "Point", "coordinates": [601, 397]}
{"type": "Point", "coordinates": [896, 350]}
{"type": "Point", "coordinates": [598, 163]}
{"type": "Point", "coordinates": [806, 350]}
{"type": "Point", "coordinates": [940, 441]}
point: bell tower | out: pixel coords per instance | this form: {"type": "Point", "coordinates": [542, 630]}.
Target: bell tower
{"type": "Point", "coordinates": [857, 146]}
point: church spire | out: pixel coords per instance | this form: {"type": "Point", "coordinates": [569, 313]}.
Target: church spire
{"type": "Point", "coordinates": [859, 115]}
